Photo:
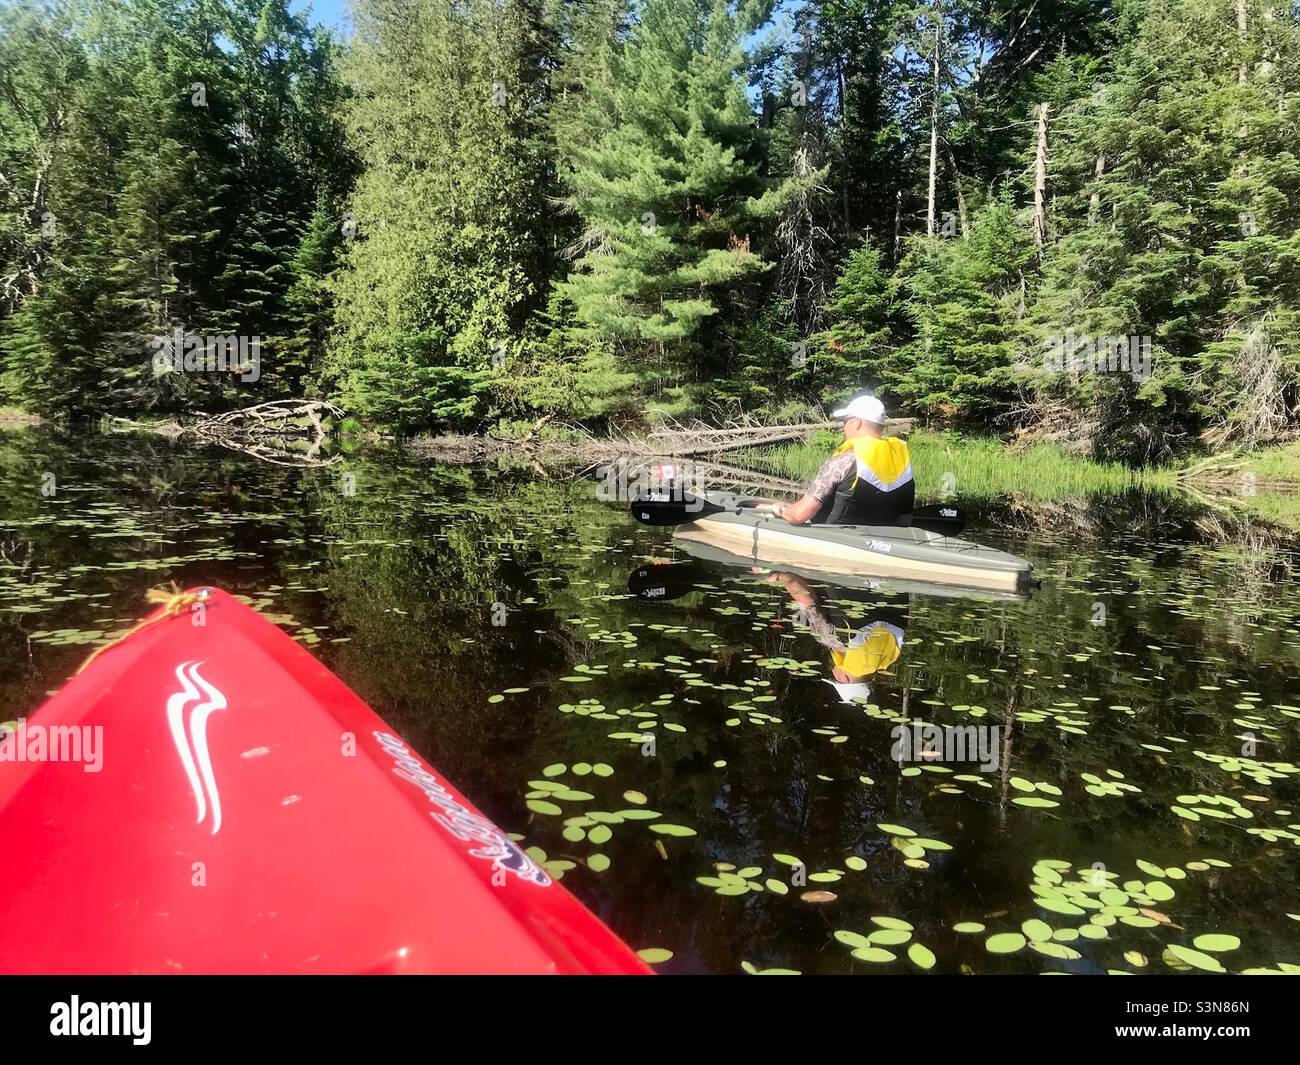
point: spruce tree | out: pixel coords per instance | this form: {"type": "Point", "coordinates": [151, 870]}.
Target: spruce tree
{"type": "Point", "coordinates": [670, 196]}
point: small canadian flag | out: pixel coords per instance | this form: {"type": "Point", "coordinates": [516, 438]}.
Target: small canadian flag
{"type": "Point", "coordinates": [666, 472]}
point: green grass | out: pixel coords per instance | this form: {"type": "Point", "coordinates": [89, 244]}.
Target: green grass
{"type": "Point", "coordinates": [979, 467]}
{"type": "Point", "coordinates": [1278, 463]}
{"type": "Point", "coordinates": [16, 418]}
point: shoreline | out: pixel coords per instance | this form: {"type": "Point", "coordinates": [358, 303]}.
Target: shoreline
{"type": "Point", "coordinates": [1007, 466]}
{"type": "Point", "coordinates": [12, 418]}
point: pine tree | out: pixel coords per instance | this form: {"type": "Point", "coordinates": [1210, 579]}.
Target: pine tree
{"type": "Point", "coordinates": [1179, 187]}
{"type": "Point", "coordinates": [194, 145]}
{"type": "Point", "coordinates": [962, 299]}
{"type": "Point", "coordinates": [670, 196]}
{"type": "Point", "coordinates": [856, 351]}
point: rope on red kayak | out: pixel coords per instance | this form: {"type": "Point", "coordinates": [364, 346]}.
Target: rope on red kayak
{"type": "Point", "coordinates": [170, 598]}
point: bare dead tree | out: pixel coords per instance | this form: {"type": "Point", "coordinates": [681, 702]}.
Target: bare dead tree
{"type": "Point", "coordinates": [934, 120]}
{"type": "Point", "coordinates": [1265, 407]}
{"type": "Point", "coordinates": [804, 241]}
{"type": "Point", "coordinates": [1040, 179]}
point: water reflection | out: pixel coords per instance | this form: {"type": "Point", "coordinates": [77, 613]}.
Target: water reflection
{"type": "Point", "coordinates": [490, 617]}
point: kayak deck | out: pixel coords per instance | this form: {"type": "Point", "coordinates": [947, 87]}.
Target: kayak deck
{"type": "Point", "coordinates": [860, 582]}
{"type": "Point", "coordinates": [901, 552]}
{"type": "Point", "coordinates": [250, 814]}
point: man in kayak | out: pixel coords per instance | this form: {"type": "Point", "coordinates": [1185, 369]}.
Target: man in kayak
{"type": "Point", "coordinates": [868, 481]}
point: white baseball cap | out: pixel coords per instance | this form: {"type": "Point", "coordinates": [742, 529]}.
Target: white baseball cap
{"type": "Point", "coordinates": [868, 408]}
{"type": "Point", "coordinates": [849, 693]}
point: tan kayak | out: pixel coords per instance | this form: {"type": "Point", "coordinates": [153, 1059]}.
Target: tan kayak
{"type": "Point", "coordinates": [868, 550]}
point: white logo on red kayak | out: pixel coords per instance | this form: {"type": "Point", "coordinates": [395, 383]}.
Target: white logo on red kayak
{"type": "Point", "coordinates": [465, 825]}
{"type": "Point", "coordinates": [190, 734]}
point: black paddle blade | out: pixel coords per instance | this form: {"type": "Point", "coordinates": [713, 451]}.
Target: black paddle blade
{"type": "Point", "coordinates": [665, 580]}
{"type": "Point", "coordinates": [944, 518]}
{"type": "Point", "coordinates": [670, 506]}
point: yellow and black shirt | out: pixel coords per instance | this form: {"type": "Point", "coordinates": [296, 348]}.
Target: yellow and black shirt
{"type": "Point", "coordinates": [867, 480]}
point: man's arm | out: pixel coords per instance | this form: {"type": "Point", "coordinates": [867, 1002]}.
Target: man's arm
{"type": "Point", "coordinates": [800, 511]}
{"type": "Point", "coordinates": [833, 471]}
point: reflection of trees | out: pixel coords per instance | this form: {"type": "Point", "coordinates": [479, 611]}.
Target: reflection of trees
{"type": "Point", "coordinates": [407, 569]}
{"type": "Point", "coordinates": [416, 561]}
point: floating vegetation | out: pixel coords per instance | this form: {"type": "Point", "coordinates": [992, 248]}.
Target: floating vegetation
{"type": "Point", "coordinates": [1102, 787]}
{"type": "Point", "coordinates": [684, 765]}
{"type": "Point", "coordinates": [873, 947]}
{"type": "Point", "coordinates": [752, 970]}
{"type": "Point", "coordinates": [1260, 772]}
{"type": "Point", "coordinates": [1100, 907]}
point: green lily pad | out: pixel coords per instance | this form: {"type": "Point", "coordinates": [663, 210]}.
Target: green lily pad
{"type": "Point", "coordinates": [877, 955]}
{"type": "Point", "coordinates": [1216, 942]}
{"type": "Point", "coordinates": [1004, 943]}
{"type": "Point", "coordinates": [921, 955]}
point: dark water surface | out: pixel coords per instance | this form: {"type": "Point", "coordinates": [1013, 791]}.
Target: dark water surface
{"type": "Point", "coordinates": [1147, 702]}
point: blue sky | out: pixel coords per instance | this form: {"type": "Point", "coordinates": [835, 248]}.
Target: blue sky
{"type": "Point", "coordinates": [330, 12]}
{"type": "Point", "coordinates": [334, 12]}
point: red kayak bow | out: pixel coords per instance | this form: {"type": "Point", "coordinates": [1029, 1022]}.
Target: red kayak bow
{"type": "Point", "coordinates": [209, 798]}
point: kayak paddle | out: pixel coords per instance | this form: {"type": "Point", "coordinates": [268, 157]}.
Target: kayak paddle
{"type": "Point", "coordinates": [666, 580]}
{"type": "Point", "coordinates": [670, 507]}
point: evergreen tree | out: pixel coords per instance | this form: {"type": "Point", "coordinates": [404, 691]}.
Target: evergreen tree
{"type": "Point", "coordinates": [671, 196]}
{"type": "Point", "coordinates": [857, 350]}
{"type": "Point", "coordinates": [192, 149]}
{"type": "Point", "coordinates": [1178, 184]}
{"type": "Point", "coordinates": [963, 301]}
{"type": "Point", "coordinates": [450, 259]}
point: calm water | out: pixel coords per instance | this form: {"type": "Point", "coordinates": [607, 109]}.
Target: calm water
{"type": "Point", "coordinates": [1146, 701]}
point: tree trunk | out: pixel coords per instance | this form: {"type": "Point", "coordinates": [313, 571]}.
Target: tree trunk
{"type": "Point", "coordinates": [1040, 179]}
{"type": "Point", "coordinates": [844, 170]}
{"type": "Point", "coordinates": [962, 217]}
{"type": "Point", "coordinates": [1094, 201]}
{"type": "Point", "coordinates": [898, 221]}
{"type": "Point", "coordinates": [1242, 67]}
{"type": "Point", "coordinates": [934, 124]}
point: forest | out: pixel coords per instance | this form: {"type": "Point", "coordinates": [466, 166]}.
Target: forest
{"type": "Point", "coordinates": [1050, 220]}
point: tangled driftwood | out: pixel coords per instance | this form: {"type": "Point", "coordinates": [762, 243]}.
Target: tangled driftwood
{"type": "Point", "coordinates": [267, 431]}
{"type": "Point", "coordinates": [667, 442]}
{"type": "Point", "coordinates": [277, 417]}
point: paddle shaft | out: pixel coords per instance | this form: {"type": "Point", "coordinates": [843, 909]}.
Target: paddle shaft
{"type": "Point", "coordinates": [673, 508]}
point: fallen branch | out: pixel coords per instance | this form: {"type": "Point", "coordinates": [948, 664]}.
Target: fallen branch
{"type": "Point", "coordinates": [265, 431]}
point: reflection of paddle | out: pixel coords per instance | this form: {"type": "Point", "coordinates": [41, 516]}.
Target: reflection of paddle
{"type": "Point", "coordinates": [679, 507]}
{"type": "Point", "coordinates": [665, 580]}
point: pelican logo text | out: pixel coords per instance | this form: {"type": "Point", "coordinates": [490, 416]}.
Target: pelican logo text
{"type": "Point", "coordinates": [465, 825]}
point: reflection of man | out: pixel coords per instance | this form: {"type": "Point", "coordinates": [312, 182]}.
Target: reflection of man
{"type": "Point", "coordinates": [856, 653]}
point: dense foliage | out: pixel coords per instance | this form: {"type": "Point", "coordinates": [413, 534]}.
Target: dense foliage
{"type": "Point", "coordinates": [1073, 219]}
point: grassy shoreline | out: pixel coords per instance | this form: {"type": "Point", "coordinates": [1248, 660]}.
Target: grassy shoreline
{"type": "Point", "coordinates": [947, 463]}
{"type": "Point", "coordinates": [13, 418]}
{"type": "Point", "coordinates": [1278, 464]}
